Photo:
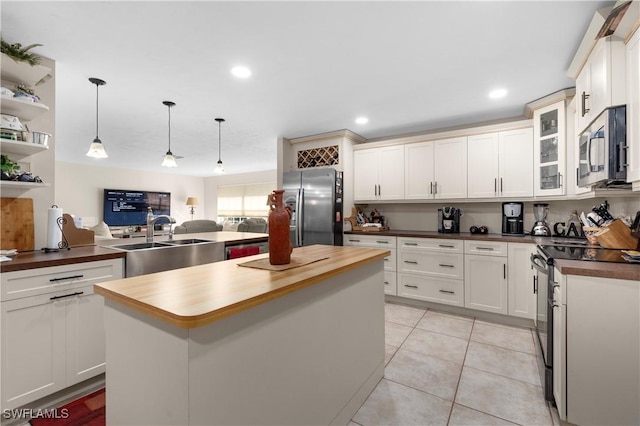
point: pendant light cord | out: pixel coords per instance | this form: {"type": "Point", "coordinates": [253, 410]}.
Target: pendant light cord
{"type": "Point", "coordinates": [169, 106]}
{"type": "Point", "coordinates": [219, 142]}
{"type": "Point", "coordinates": [97, 86]}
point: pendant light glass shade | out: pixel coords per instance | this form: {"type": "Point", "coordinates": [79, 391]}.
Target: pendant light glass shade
{"type": "Point", "coordinates": [169, 159]}
{"type": "Point", "coordinates": [219, 166]}
{"type": "Point", "coordinates": [96, 150]}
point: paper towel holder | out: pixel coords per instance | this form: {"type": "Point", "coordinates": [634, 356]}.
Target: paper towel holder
{"type": "Point", "coordinates": [63, 244]}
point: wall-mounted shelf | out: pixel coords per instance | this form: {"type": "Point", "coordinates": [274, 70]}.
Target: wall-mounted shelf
{"type": "Point", "coordinates": [25, 110]}
{"type": "Point", "coordinates": [21, 185]}
{"type": "Point", "coordinates": [21, 148]}
{"type": "Point", "coordinates": [21, 72]}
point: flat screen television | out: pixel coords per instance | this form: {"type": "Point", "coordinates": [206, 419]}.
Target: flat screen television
{"type": "Point", "coordinates": [123, 207]}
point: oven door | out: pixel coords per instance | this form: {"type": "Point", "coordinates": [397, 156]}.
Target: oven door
{"type": "Point", "coordinates": [544, 318]}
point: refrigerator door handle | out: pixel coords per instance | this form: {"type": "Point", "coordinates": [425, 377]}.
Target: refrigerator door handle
{"type": "Point", "coordinates": [300, 217]}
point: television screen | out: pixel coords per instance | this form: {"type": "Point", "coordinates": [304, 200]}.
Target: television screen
{"type": "Point", "coordinates": [126, 207]}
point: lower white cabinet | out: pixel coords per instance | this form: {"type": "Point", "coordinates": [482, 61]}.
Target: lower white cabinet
{"type": "Point", "coordinates": [485, 284]}
{"type": "Point", "coordinates": [522, 299]}
{"type": "Point", "coordinates": [431, 269]}
{"type": "Point", "coordinates": [384, 242]}
{"type": "Point", "coordinates": [53, 338]}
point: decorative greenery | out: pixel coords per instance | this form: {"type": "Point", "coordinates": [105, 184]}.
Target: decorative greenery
{"type": "Point", "coordinates": [7, 165]}
{"type": "Point", "coordinates": [20, 54]}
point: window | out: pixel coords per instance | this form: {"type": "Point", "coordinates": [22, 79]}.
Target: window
{"type": "Point", "coordinates": [237, 202]}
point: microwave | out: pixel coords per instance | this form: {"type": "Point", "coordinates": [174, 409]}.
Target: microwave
{"type": "Point", "coordinates": [603, 150]}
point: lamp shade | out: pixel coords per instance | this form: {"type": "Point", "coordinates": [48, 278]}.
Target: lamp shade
{"type": "Point", "coordinates": [96, 150]}
{"type": "Point", "coordinates": [192, 201]}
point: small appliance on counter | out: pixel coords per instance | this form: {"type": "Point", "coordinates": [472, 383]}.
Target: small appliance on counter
{"type": "Point", "coordinates": [449, 220]}
{"type": "Point", "coordinates": [512, 219]}
{"type": "Point", "coordinates": [540, 228]}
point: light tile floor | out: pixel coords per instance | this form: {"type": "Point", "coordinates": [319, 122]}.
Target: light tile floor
{"type": "Point", "coordinates": [445, 369]}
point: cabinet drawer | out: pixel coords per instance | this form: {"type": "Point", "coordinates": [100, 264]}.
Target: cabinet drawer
{"type": "Point", "coordinates": [439, 244]}
{"type": "Point", "coordinates": [390, 261]}
{"type": "Point", "coordinates": [440, 290]}
{"type": "Point", "coordinates": [390, 280]}
{"type": "Point", "coordinates": [33, 282]}
{"type": "Point", "coordinates": [378, 241]}
{"type": "Point", "coordinates": [445, 265]}
{"type": "Point", "coordinates": [486, 248]}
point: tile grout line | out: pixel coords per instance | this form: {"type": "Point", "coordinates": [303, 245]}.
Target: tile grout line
{"type": "Point", "coordinates": [466, 351]}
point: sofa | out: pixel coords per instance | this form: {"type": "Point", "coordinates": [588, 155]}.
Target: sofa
{"type": "Point", "coordinates": [253, 225]}
{"type": "Point", "coordinates": [197, 226]}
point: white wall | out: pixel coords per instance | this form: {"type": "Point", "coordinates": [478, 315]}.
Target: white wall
{"type": "Point", "coordinates": [211, 186]}
{"type": "Point", "coordinates": [79, 190]}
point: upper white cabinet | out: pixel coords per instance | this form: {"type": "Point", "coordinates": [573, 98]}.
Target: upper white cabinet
{"type": "Point", "coordinates": [500, 164]}
{"type": "Point", "coordinates": [436, 169]}
{"type": "Point", "coordinates": [549, 150]}
{"type": "Point", "coordinates": [378, 173]}
{"type": "Point", "coordinates": [601, 82]}
{"type": "Point", "coordinates": [633, 110]}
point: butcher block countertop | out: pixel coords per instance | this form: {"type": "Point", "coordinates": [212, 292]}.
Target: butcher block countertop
{"type": "Point", "coordinates": [199, 295]}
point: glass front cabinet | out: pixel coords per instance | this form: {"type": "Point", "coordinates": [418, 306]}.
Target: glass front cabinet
{"type": "Point", "coordinates": [549, 133]}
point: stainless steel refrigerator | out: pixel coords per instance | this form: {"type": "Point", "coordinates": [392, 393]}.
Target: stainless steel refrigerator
{"type": "Point", "coordinates": [315, 198]}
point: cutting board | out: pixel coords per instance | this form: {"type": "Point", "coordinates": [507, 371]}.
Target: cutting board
{"type": "Point", "coordinates": [16, 224]}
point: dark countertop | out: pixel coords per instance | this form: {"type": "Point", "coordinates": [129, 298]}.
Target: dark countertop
{"type": "Point", "coordinates": [40, 259]}
{"type": "Point", "coordinates": [566, 267]}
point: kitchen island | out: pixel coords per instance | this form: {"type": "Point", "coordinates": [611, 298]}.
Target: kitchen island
{"type": "Point", "coordinates": [226, 344]}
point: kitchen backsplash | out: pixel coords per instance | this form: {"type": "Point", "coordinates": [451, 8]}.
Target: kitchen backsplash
{"type": "Point", "coordinates": [424, 217]}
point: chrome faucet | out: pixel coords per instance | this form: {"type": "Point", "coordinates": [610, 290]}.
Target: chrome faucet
{"type": "Point", "coordinates": [151, 220]}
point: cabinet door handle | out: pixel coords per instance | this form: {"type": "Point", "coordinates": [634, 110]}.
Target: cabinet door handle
{"type": "Point", "coordinates": [375, 190]}
{"type": "Point", "coordinates": [382, 242]}
{"type": "Point", "coordinates": [72, 277]}
{"type": "Point", "coordinates": [559, 179]}
{"type": "Point", "coordinates": [495, 185]}
{"type": "Point", "coordinates": [386, 283]}
{"type": "Point", "coordinates": [585, 110]}
{"type": "Point", "coordinates": [444, 265]}
{"type": "Point", "coordinates": [535, 284]}
{"type": "Point", "coordinates": [504, 270]}
{"type": "Point", "coordinates": [411, 286]}
{"type": "Point", "coordinates": [379, 191]}
{"type": "Point", "coordinates": [436, 187]}
{"type": "Point", "coordinates": [501, 185]}
{"type": "Point", "coordinates": [411, 262]}
{"type": "Point", "coordinates": [354, 241]}
{"type": "Point", "coordinates": [445, 246]}
{"type": "Point", "coordinates": [447, 291]}
{"type": "Point", "coordinates": [430, 187]}
{"type": "Point", "coordinates": [484, 248]}
{"type": "Point", "coordinates": [410, 244]}
{"type": "Point", "coordinates": [77, 293]}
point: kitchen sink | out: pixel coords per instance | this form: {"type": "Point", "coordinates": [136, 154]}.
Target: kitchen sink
{"type": "Point", "coordinates": [148, 258]}
{"type": "Point", "coordinates": [187, 241]}
{"type": "Point", "coordinates": [140, 246]}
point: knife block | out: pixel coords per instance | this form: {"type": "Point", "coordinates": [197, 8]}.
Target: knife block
{"type": "Point", "coordinates": [616, 235]}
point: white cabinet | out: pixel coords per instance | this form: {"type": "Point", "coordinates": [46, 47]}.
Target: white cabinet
{"type": "Point", "coordinates": [431, 269]}
{"type": "Point", "coordinates": [379, 241]}
{"type": "Point", "coordinates": [436, 169]}
{"type": "Point", "coordinates": [601, 82]}
{"type": "Point", "coordinates": [500, 164]}
{"type": "Point", "coordinates": [485, 283]}
{"type": "Point", "coordinates": [602, 350]}
{"type": "Point", "coordinates": [378, 173]}
{"type": "Point", "coordinates": [522, 300]}
{"type": "Point", "coordinates": [52, 329]}
{"type": "Point", "coordinates": [633, 110]}
{"type": "Point", "coordinates": [549, 136]}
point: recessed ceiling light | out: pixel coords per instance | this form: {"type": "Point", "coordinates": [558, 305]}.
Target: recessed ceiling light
{"type": "Point", "coordinates": [241, 72]}
{"type": "Point", "coordinates": [362, 120]}
{"type": "Point", "coordinates": [498, 93]}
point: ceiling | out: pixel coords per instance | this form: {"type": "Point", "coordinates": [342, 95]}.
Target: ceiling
{"type": "Point", "coordinates": [407, 66]}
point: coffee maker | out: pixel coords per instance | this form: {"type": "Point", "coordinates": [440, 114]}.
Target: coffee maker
{"type": "Point", "coordinates": [449, 220]}
{"type": "Point", "coordinates": [512, 219]}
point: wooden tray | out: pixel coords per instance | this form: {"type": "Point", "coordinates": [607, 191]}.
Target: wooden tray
{"type": "Point", "coordinates": [369, 228]}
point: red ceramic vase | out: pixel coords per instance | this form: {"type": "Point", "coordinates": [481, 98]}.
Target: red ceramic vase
{"type": "Point", "coordinates": [280, 246]}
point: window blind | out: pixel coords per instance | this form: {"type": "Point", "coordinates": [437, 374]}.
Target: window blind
{"type": "Point", "coordinates": [248, 200]}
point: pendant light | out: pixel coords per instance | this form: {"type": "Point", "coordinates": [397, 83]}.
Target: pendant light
{"type": "Point", "coordinates": [169, 159]}
{"type": "Point", "coordinates": [96, 150]}
{"type": "Point", "coordinates": [219, 166]}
